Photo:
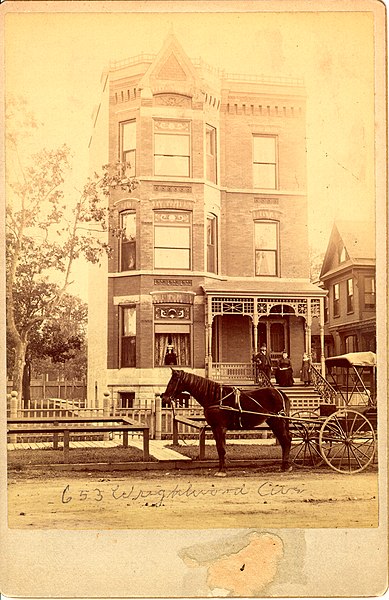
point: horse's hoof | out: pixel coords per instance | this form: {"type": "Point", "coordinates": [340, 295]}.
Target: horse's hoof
{"type": "Point", "coordinates": [220, 474]}
{"type": "Point", "coordinates": [287, 469]}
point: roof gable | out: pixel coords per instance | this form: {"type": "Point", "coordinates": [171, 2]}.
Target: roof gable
{"type": "Point", "coordinates": [171, 70]}
{"type": "Point", "coordinates": [349, 241]}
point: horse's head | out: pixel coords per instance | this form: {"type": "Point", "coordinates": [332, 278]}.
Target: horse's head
{"type": "Point", "coordinates": [174, 387]}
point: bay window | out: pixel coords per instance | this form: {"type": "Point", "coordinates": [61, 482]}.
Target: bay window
{"type": "Point", "coordinates": [210, 142]}
{"type": "Point", "coordinates": [212, 243]}
{"type": "Point", "coordinates": [127, 247]}
{"type": "Point", "coordinates": [350, 295]}
{"type": "Point", "coordinates": [172, 239]}
{"type": "Point", "coordinates": [369, 292]}
{"type": "Point", "coordinates": [128, 147]}
{"type": "Point", "coordinates": [127, 341]}
{"type": "Point", "coordinates": [336, 300]}
{"type": "Point", "coordinates": [172, 148]}
{"type": "Point", "coordinates": [172, 341]}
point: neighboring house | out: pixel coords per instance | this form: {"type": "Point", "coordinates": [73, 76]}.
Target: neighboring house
{"type": "Point", "coordinates": [214, 257]}
{"type": "Point", "coordinates": [348, 273]}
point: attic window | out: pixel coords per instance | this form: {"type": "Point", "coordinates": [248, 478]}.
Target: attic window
{"type": "Point", "coordinates": [343, 256]}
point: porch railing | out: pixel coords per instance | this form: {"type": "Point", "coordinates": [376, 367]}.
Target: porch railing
{"type": "Point", "coordinates": [232, 372]}
{"type": "Point", "coordinates": [328, 394]}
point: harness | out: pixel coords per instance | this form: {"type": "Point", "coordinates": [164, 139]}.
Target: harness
{"type": "Point", "coordinates": [238, 408]}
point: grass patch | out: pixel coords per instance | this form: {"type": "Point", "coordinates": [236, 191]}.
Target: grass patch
{"type": "Point", "coordinates": [233, 451]}
{"type": "Point", "coordinates": [18, 459]}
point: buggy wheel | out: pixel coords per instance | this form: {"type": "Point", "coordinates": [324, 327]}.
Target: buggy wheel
{"type": "Point", "coordinates": [305, 449]}
{"type": "Point", "coordinates": [347, 441]}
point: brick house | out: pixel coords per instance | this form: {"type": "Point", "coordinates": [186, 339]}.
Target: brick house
{"type": "Point", "coordinates": [348, 273]}
{"type": "Point", "coordinates": [214, 258]}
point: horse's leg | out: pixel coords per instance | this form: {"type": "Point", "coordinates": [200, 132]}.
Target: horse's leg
{"type": "Point", "coordinates": [280, 428]}
{"type": "Point", "coordinates": [219, 433]}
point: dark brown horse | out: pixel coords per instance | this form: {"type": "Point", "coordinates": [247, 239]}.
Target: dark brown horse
{"type": "Point", "coordinates": [227, 408]}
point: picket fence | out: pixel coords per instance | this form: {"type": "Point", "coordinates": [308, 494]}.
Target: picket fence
{"type": "Point", "coordinates": [159, 419]}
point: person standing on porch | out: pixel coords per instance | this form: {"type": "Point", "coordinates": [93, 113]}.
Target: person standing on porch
{"type": "Point", "coordinates": [284, 371]}
{"type": "Point", "coordinates": [262, 362]}
{"type": "Point", "coordinates": [306, 370]}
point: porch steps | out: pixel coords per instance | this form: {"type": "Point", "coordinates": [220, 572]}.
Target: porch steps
{"type": "Point", "coordinates": [302, 397]}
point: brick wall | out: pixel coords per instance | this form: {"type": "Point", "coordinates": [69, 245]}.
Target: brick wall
{"type": "Point", "coordinates": [235, 339]}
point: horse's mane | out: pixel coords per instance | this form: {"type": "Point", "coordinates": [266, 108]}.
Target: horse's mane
{"type": "Point", "coordinates": [201, 388]}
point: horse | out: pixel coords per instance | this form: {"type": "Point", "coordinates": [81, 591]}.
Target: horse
{"type": "Point", "coordinates": [228, 408]}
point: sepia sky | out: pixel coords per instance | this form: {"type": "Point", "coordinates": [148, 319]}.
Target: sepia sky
{"type": "Point", "coordinates": [55, 60]}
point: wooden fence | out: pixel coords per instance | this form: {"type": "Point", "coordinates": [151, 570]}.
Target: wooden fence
{"type": "Point", "coordinates": [40, 389]}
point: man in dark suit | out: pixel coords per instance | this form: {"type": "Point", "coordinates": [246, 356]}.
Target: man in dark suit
{"type": "Point", "coordinates": [263, 362]}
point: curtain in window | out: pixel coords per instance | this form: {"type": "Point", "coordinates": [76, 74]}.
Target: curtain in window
{"type": "Point", "coordinates": [181, 347]}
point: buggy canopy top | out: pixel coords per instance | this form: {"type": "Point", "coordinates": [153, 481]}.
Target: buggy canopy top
{"type": "Point", "coordinates": [353, 359]}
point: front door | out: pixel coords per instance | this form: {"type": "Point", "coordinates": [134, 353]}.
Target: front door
{"type": "Point", "coordinates": [274, 332]}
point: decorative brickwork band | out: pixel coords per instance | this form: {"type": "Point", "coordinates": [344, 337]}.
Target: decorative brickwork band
{"type": "Point", "coordinates": [172, 100]}
{"type": "Point", "coordinates": [186, 189]}
{"type": "Point", "coordinates": [179, 126]}
{"type": "Point", "coordinates": [171, 217]}
{"type": "Point", "coordinates": [172, 298]}
{"type": "Point", "coordinates": [181, 313]}
{"type": "Point", "coordinates": [173, 282]}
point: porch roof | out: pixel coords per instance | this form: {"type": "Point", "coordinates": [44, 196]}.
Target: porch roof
{"type": "Point", "coordinates": [275, 288]}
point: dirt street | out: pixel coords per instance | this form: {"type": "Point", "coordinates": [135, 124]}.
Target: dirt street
{"type": "Point", "coordinates": [193, 500]}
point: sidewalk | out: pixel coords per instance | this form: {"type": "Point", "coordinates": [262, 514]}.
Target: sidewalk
{"type": "Point", "coordinates": [158, 448]}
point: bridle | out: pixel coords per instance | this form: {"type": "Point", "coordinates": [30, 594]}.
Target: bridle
{"type": "Point", "coordinates": [172, 395]}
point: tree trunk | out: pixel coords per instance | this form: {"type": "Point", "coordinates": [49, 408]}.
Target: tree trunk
{"type": "Point", "coordinates": [26, 381]}
{"type": "Point", "coordinates": [17, 378]}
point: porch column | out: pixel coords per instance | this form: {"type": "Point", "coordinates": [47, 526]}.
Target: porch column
{"type": "Point", "coordinates": [322, 357]}
{"type": "Point", "coordinates": [208, 335]}
{"type": "Point", "coordinates": [255, 320]}
{"type": "Point", "coordinates": [308, 330]}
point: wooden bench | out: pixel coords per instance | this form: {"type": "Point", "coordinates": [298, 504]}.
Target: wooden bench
{"type": "Point", "coordinates": [70, 425]}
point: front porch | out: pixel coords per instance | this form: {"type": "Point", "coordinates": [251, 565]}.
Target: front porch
{"type": "Point", "coordinates": [237, 323]}
{"type": "Point", "coordinates": [236, 373]}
